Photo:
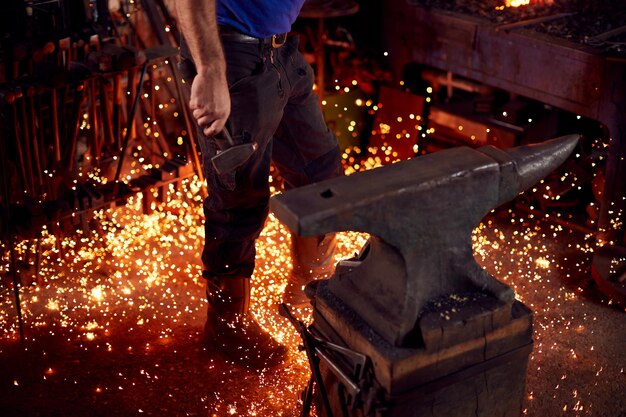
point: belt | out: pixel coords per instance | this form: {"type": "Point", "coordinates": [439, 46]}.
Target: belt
{"type": "Point", "coordinates": [229, 34]}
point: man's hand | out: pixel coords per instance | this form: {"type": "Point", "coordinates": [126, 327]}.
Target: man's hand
{"type": "Point", "coordinates": [210, 100]}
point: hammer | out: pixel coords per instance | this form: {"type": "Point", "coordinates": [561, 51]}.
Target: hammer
{"type": "Point", "coordinates": [230, 156]}
{"type": "Point", "coordinates": [420, 214]}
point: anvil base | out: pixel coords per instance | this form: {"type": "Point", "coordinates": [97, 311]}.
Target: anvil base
{"type": "Point", "coordinates": [472, 360]}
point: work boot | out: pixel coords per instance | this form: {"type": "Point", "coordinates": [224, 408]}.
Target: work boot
{"type": "Point", "coordinates": [313, 259]}
{"type": "Point", "coordinates": [231, 328]}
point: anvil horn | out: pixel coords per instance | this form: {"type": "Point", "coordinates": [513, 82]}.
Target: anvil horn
{"type": "Point", "coordinates": [535, 162]}
{"type": "Point", "coordinates": [532, 163]}
{"type": "Point", "coordinates": [421, 214]}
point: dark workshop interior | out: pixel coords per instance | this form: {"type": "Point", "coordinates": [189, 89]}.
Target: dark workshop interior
{"type": "Point", "coordinates": [102, 303]}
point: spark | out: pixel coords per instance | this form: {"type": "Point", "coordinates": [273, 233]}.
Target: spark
{"type": "Point", "coordinates": [139, 273]}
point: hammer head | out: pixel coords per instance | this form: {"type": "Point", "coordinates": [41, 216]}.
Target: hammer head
{"type": "Point", "coordinates": [228, 160]}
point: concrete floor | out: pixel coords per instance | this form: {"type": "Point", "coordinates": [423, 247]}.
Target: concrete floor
{"type": "Point", "coordinates": [114, 327]}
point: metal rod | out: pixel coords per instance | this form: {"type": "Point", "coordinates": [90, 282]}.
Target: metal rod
{"type": "Point", "coordinates": [310, 347]}
{"type": "Point", "coordinates": [18, 144]}
{"type": "Point", "coordinates": [308, 398]}
{"type": "Point", "coordinates": [10, 241]}
{"type": "Point", "coordinates": [38, 259]}
{"type": "Point", "coordinates": [78, 103]}
{"type": "Point", "coordinates": [56, 144]}
{"type": "Point", "coordinates": [43, 149]}
{"type": "Point", "coordinates": [129, 97]}
{"type": "Point", "coordinates": [35, 143]}
{"type": "Point", "coordinates": [16, 288]}
{"type": "Point", "coordinates": [94, 122]}
{"type": "Point", "coordinates": [25, 136]}
{"type": "Point", "coordinates": [598, 39]}
{"type": "Point", "coordinates": [117, 108]}
{"type": "Point", "coordinates": [348, 383]}
{"type": "Point", "coordinates": [106, 113]}
{"type": "Point", "coordinates": [156, 21]}
{"type": "Point", "coordinates": [532, 21]}
{"type": "Point", "coordinates": [129, 122]}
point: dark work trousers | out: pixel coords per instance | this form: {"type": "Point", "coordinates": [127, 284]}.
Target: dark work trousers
{"type": "Point", "coordinates": [272, 104]}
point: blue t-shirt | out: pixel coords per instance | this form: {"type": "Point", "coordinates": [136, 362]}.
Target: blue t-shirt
{"type": "Point", "coordinates": [258, 18]}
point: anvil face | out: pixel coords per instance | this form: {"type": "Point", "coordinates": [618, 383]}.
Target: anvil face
{"type": "Point", "coordinates": [421, 214]}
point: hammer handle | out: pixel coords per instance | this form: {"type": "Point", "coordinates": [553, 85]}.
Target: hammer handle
{"type": "Point", "coordinates": [227, 136]}
{"type": "Point", "coordinates": [223, 140]}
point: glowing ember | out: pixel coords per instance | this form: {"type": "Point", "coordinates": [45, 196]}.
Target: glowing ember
{"type": "Point", "coordinates": [518, 3]}
{"type": "Point", "coordinates": [135, 286]}
{"type": "Point", "coordinates": [129, 295]}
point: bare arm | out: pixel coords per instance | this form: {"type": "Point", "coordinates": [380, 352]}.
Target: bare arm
{"type": "Point", "coordinates": [210, 100]}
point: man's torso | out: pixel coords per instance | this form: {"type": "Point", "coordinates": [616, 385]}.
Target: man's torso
{"type": "Point", "coordinates": [258, 18]}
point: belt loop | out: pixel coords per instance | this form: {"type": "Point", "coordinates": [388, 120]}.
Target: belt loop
{"type": "Point", "coordinates": [262, 53]}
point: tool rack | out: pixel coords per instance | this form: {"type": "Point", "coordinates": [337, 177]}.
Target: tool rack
{"type": "Point", "coordinates": [81, 127]}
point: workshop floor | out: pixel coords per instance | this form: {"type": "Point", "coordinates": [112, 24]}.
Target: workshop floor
{"type": "Point", "coordinates": [114, 328]}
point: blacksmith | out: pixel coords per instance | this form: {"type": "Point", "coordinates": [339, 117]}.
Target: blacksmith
{"type": "Point", "coordinates": [251, 79]}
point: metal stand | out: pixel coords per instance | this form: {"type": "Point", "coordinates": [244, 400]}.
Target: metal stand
{"type": "Point", "coordinates": [321, 351]}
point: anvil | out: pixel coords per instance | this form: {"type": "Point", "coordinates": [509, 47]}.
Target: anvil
{"type": "Point", "coordinates": [420, 214]}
